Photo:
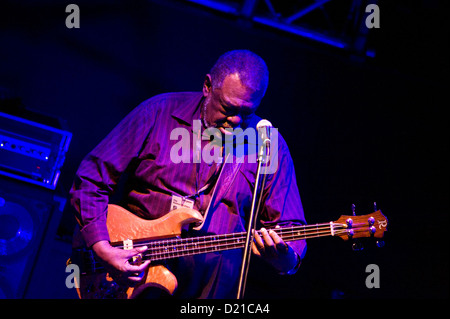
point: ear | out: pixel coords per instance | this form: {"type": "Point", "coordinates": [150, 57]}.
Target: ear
{"type": "Point", "coordinates": [207, 86]}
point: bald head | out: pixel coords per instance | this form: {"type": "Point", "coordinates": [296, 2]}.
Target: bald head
{"type": "Point", "coordinates": [248, 66]}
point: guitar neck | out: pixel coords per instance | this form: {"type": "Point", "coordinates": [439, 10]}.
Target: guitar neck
{"type": "Point", "coordinates": [179, 247]}
{"type": "Point", "coordinates": [371, 225]}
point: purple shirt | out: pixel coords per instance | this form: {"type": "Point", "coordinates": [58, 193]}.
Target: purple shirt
{"type": "Point", "coordinates": [140, 146]}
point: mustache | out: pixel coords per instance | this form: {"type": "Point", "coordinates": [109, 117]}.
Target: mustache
{"type": "Point", "coordinates": [226, 126]}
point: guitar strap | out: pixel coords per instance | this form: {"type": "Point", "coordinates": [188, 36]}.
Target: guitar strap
{"type": "Point", "coordinates": [226, 177]}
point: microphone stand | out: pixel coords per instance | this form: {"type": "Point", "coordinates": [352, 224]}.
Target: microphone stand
{"type": "Point", "coordinates": [252, 223]}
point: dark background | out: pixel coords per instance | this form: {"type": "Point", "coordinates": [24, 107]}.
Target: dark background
{"type": "Point", "coordinates": [359, 129]}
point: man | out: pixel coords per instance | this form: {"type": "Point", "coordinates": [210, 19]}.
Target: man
{"type": "Point", "coordinates": [141, 146]}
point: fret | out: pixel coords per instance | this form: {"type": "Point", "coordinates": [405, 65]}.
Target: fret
{"type": "Point", "coordinates": [192, 246]}
{"type": "Point", "coordinates": [173, 249]}
{"type": "Point", "coordinates": [205, 244]}
{"type": "Point", "coordinates": [292, 232]}
{"type": "Point", "coordinates": [214, 247]}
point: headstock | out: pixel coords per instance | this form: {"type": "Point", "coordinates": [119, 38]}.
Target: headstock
{"type": "Point", "coordinates": [350, 227]}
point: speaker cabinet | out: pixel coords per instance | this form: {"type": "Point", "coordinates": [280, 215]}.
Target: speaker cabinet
{"type": "Point", "coordinates": [29, 218]}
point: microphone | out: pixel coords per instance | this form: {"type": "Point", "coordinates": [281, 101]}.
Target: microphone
{"type": "Point", "coordinates": [263, 128]}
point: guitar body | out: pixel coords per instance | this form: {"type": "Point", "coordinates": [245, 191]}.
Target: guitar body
{"type": "Point", "coordinates": [125, 229]}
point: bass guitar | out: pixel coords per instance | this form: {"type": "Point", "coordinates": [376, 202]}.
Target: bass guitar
{"type": "Point", "coordinates": [162, 237]}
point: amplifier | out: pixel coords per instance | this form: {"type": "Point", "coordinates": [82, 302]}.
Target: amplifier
{"type": "Point", "coordinates": [31, 151]}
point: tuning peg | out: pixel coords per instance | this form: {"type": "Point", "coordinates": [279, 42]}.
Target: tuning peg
{"type": "Point", "coordinates": [353, 209]}
{"type": "Point", "coordinates": [375, 206]}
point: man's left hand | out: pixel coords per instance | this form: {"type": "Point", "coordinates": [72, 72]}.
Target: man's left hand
{"type": "Point", "coordinates": [274, 250]}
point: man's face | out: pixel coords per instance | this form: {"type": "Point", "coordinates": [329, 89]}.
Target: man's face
{"type": "Point", "coordinates": [230, 106]}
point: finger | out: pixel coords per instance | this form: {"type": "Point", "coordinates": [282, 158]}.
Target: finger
{"type": "Point", "coordinates": [141, 249]}
{"type": "Point", "coordinates": [134, 256]}
{"type": "Point", "coordinates": [280, 245]}
{"type": "Point", "coordinates": [137, 268]}
{"type": "Point", "coordinates": [255, 250]}
{"type": "Point", "coordinates": [132, 281]}
{"type": "Point", "coordinates": [268, 242]}
{"type": "Point", "coordinates": [137, 277]}
{"type": "Point", "coordinates": [135, 274]}
{"type": "Point", "coordinates": [269, 246]}
{"type": "Point", "coordinates": [276, 238]}
{"type": "Point", "coordinates": [136, 251]}
{"type": "Point", "coordinates": [258, 241]}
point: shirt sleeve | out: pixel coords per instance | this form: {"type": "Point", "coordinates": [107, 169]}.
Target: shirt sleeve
{"type": "Point", "coordinates": [283, 205]}
{"type": "Point", "coordinates": [99, 172]}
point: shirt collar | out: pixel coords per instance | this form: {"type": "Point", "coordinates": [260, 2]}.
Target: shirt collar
{"type": "Point", "coordinates": [190, 110]}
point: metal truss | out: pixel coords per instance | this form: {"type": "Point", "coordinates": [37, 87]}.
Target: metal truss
{"type": "Point", "coordinates": [339, 23]}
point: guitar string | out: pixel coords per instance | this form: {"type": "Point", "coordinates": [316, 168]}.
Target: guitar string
{"type": "Point", "coordinates": [162, 255]}
{"type": "Point", "coordinates": [158, 254]}
{"type": "Point", "coordinates": [237, 240]}
{"type": "Point", "coordinates": [193, 242]}
{"type": "Point", "coordinates": [303, 229]}
{"type": "Point", "coordinates": [167, 254]}
{"type": "Point", "coordinates": [188, 245]}
{"type": "Point", "coordinates": [202, 242]}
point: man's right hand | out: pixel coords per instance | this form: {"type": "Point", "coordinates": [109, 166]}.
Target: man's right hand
{"type": "Point", "coordinates": [117, 262]}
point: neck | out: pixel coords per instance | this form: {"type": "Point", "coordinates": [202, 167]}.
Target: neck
{"type": "Point", "coordinates": [177, 247]}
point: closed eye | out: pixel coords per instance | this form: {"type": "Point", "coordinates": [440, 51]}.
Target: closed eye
{"type": "Point", "coordinates": [244, 112]}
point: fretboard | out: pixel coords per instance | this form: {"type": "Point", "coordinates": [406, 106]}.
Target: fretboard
{"type": "Point", "coordinates": [179, 247]}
